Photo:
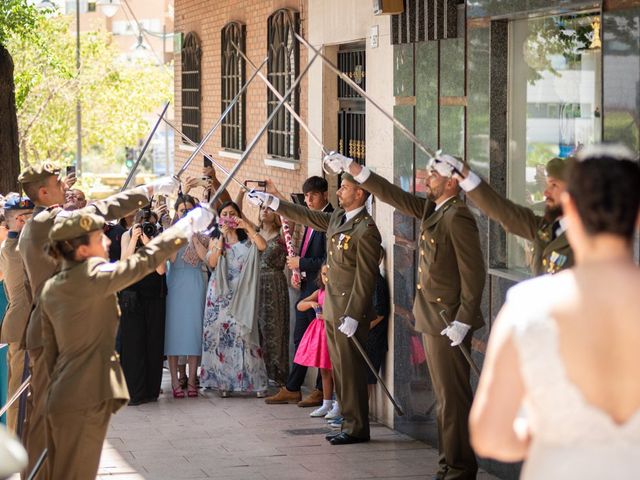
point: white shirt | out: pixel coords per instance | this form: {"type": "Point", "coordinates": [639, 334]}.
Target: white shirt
{"type": "Point", "coordinates": [352, 213]}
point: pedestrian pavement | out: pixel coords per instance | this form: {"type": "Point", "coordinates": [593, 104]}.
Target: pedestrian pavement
{"type": "Point", "coordinates": [243, 438]}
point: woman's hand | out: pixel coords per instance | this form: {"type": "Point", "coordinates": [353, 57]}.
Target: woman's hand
{"type": "Point", "coordinates": [144, 238]}
{"type": "Point", "coordinates": [136, 232]}
{"type": "Point", "coordinates": [189, 184]}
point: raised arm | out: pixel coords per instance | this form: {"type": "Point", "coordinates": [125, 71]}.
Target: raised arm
{"type": "Point", "coordinates": [121, 204]}
{"type": "Point", "coordinates": [299, 214]}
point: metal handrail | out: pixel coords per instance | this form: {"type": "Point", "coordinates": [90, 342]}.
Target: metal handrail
{"type": "Point", "coordinates": [15, 396]}
{"type": "Point", "coordinates": [38, 465]}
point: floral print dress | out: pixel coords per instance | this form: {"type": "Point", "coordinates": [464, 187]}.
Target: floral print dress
{"type": "Point", "coordinates": [229, 361]}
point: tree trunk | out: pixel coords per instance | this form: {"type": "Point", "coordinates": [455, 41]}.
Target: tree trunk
{"type": "Point", "coordinates": [9, 148]}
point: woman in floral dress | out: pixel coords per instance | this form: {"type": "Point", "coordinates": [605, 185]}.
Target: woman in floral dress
{"type": "Point", "coordinates": [232, 360]}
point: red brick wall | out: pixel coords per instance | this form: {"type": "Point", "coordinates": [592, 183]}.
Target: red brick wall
{"type": "Point", "coordinates": [207, 19]}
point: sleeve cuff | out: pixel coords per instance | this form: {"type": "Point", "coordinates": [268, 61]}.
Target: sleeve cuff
{"type": "Point", "coordinates": [471, 182]}
{"type": "Point", "coordinates": [363, 176]}
{"type": "Point", "coordinates": [275, 203]}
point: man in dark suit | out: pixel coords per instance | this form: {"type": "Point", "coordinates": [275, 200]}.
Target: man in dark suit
{"type": "Point", "coordinates": [312, 256]}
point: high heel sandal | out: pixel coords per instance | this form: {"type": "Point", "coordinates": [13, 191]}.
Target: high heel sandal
{"type": "Point", "coordinates": [177, 392]}
{"type": "Point", "coordinates": [192, 391]}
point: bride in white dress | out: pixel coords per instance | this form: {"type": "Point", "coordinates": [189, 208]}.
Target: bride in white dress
{"type": "Point", "coordinates": [560, 387]}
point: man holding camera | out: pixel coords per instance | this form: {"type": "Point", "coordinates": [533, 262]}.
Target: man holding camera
{"type": "Point", "coordinates": [312, 256]}
{"type": "Point", "coordinates": [46, 189]}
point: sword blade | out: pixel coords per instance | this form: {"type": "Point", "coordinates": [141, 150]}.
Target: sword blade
{"type": "Point", "coordinates": [463, 347]}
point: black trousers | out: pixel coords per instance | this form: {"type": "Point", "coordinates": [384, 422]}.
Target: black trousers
{"type": "Point", "coordinates": [142, 343]}
{"type": "Point", "coordinates": [299, 372]}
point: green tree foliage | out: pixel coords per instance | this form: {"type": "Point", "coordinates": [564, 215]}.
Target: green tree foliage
{"type": "Point", "coordinates": [115, 93]}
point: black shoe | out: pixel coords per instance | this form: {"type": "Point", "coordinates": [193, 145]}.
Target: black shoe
{"type": "Point", "coordinates": [331, 435]}
{"type": "Point", "coordinates": [345, 439]}
{"type": "Point", "coordinates": [135, 403]}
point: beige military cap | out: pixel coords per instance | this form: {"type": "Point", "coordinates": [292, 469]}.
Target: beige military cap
{"type": "Point", "coordinates": [35, 173]}
{"type": "Point", "coordinates": [74, 226]}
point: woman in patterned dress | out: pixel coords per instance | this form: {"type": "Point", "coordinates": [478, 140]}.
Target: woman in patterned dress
{"type": "Point", "coordinates": [273, 311]}
{"type": "Point", "coordinates": [232, 359]}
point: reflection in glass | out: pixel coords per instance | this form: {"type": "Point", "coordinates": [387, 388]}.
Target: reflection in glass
{"type": "Point", "coordinates": [554, 104]}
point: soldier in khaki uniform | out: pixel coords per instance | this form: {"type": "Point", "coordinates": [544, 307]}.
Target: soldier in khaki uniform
{"type": "Point", "coordinates": [45, 188]}
{"type": "Point", "coordinates": [353, 251]}
{"type": "Point", "coordinates": [550, 249]}
{"type": "Point", "coordinates": [451, 277]}
{"type": "Point", "coordinates": [80, 317]}
{"type": "Point", "coordinates": [17, 211]}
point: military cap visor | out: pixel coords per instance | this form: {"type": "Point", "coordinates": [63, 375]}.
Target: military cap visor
{"type": "Point", "coordinates": [75, 226]}
{"type": "Point", "coordinates": [36, 173]}
{"type": "Point", "coordinates": [19, 203]}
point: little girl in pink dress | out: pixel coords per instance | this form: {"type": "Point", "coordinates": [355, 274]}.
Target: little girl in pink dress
{"type": "Point", "coordinates": [313, 350]}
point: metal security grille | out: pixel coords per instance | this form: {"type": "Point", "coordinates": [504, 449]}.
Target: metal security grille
{"type": "Point", "coordinates": [233, 77]}
{"type": "Point", "coordinates": [353, 64]}
{"type": "Point", "coordinates": [352, 135]}
{"type": "Point", "coordinates": [424, 20]}
{"type": "Point", "coordinates": [282, 69]}
{"type": "Point", "coordinates": [191, 55]}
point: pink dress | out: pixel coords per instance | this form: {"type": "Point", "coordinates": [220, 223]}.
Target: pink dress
{"type": "Point", "coordinates": [313, 350]}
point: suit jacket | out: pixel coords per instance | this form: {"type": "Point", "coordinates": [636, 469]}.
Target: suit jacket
{"type": "Point", "coordinates": [314, 257]}
{"type": "Point", "coordinates": [80, 317]}
{"type": "Point", "coordinates": [451, 270]}
{"type": "Point", "coordinates": [17, 314]}
{"type": "Point", "coordinates": [549, 255]}
{"type": "Point", "coordinates": [354, 251]}
{"type": "Point", "coordinates": [39, 266]}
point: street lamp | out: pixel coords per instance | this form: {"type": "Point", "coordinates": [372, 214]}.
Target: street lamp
{"type": "Point", "coordinates": [108, 7]}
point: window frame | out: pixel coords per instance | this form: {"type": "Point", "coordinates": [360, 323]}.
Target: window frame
{"type": "Point", "coordinates": [191, 75]}
{"type": "Point", "coordinates": [232, 79]}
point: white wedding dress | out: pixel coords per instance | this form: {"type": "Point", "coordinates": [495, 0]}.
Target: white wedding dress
{"type": "Point", "coordinates": [571, 439]}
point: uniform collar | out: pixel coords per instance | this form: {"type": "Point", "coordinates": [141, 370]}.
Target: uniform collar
{"type": "Point", "coordinates": [441, 204]}
{"type": "Point", "coordinates": [352, 213]}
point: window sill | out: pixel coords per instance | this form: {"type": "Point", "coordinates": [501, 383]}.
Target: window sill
{"type": "Point", "coordinates": [186, 148]}
{"type": "Point", "coordinates": [281, 163]}
{"type": "Point", "coordinates": [507, 274]}
{"type": "Point", "coordinates": [230, 154]}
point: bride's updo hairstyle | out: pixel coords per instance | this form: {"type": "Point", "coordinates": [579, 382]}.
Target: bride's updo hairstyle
{"type": "Point", "coordinates": [604, 183]}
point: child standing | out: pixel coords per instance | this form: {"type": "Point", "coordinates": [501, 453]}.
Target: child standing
{"type": "Point", "coordinates": [313, 350]}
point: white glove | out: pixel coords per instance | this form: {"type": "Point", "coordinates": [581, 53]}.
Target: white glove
{"type": "Point", "coordinates": [456, 332]}
{"type": "Point", "coordinates": [13, 456]}
{"type": "Point", "coordinates": [349, 326]}
{"type": "Point", "coordinates": [196, 220]}
{"type": "Point", "coordinates": [164, 186]}
{"type": "Point", "coordinates": [447, 166]}
{"type": "Point", "coordinates": [336, 162]}
{"type": "Point", "coordinates": [260, 199]}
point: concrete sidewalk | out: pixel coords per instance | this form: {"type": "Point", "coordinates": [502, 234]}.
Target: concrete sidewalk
{"type": "Point", "coordinates": [243, 438]}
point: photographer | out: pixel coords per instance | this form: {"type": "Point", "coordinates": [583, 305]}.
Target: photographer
{"type": "Point", "coordinates": [143, 316]}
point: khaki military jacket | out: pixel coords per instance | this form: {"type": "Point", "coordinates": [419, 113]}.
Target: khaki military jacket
{"type": "Point", "coordinates": [40, 266]}
{"type": "Point", "coordinates": [548, 254]}
{"type": "Point", "coordinates": [451, 269]}
{"type": "Point", "coordinates": [80, 317]}
{"type": "Point", "coordinates": [19, 297]}
{"type": "Point", "coordinates": [353, 254]}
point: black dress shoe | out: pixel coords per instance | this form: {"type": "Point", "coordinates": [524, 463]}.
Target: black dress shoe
{"type": "Point", "coordinates": [345, 439]}
{"type": "Point", "coordinates": [331, 435]}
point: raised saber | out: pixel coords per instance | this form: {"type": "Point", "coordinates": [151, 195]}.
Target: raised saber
{"type": "Point", "coordinates": [365, 357]}
{"type": "Point", "coordinates": [405, 131]}
{"type": "Point", "coordinates": [278, 95]}
{"type": "Point", "coordinates": [463, 347]}
{"type": "Point", "coordinates": [132, 172]}
{"type": "Point", "coordinates": [256, 138]}
{"type": "Point", "coordinates": [206, 138]}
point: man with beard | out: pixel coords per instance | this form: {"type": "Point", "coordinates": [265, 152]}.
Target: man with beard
{"type": "Point", "coordinates": [550, 248]}
{"type": "Point", "coordinates": [451, 276]}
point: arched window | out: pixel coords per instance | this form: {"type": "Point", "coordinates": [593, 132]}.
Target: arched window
{"type": "Point", "coordinates": [191, 54]}
{"type": "Point", "coordinates": [283, 68]}
{"type": "Point", "coordinates": [233, 74]}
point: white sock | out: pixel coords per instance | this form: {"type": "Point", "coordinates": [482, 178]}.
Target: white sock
{"type": "Point", "coordinates": [327, 403]}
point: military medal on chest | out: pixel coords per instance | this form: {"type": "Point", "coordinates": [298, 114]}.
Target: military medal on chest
{"type": "Point", "coordinates": [556, 262]}
{"type": "Point", "coordinates": [343, 241]}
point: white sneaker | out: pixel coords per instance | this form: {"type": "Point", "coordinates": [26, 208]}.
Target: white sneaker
{"type": "Point", "coordinates": [334, 412]}
{"type": "Point", "coordinates": [321, 411]}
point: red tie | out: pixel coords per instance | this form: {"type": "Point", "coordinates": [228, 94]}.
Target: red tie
{"type": "Point", "coordinates": [305, 244]}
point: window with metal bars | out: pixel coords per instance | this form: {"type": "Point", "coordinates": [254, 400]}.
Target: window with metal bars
{"type": "Point", "coordinates": [191, 69]}
{"type": "Point", "coordinates": [351, 114]}
{"type": "Point", "coordinates": [282, 69]}
{"type": "Point", "coordinates": [233, 78]}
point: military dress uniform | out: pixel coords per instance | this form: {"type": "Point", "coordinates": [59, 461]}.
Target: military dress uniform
{"type": "Point", "coordinates": [17, 314]}
{"type": "Point", "coordinates": [451, 277]}
{"type": "Point", "coordinates": [39, 267]}
{"type": "Point", "coordinates": [80, 317]}
{"type": "Point", "coordinates": [353, 252]}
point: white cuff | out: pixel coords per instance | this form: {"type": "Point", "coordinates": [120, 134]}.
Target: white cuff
{"type": "Point", "coordinates": [275, 203]}
{"type": "Point", "coordinates": [363, 176]}
{"type": "Point", "coordinates": [471, 182]}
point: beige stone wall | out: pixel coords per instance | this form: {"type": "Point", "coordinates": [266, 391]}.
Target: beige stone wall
{"type": "Point", "coordinates": [330, 23]}
{"type": "Point", "coordinates": [207, 19]}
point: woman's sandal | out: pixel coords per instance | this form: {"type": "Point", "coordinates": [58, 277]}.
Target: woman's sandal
{"type": "Point", "coordinates": [192, 391]}
{"type": "Point", "coordinates": [177, 392]}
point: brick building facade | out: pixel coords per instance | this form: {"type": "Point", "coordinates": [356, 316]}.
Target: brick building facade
{"type": "Point", "coordinates": [206, 20]}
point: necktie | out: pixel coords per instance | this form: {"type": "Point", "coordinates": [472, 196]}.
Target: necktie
{"type": "Point", "coordinates": [344, 219]}
{"type": "Point", "coordinates": [305, 244]}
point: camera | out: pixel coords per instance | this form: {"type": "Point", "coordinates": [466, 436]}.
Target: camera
{"type": "Point", "coordinates": [150, 229]}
